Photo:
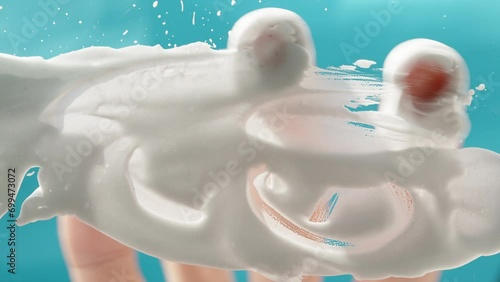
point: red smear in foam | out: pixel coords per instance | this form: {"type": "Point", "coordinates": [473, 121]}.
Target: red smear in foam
{"type": "Point", "coordinates": [426, 81]}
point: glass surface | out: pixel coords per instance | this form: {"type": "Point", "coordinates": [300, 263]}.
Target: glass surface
{"type": "Point", "coordinates": [49, 27]}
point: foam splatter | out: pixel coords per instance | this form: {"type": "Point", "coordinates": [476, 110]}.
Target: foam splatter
{"type": "Point", "coordinates": [231, 158]}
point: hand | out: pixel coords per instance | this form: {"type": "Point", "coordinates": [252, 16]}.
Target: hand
{"type": "Point", "coordinates": [92, 256]}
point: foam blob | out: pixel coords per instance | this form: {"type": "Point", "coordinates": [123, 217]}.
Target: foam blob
{"type": "Point", "coordinates": [252, 158]}
{"type": "Point", "coordinates": [426, 81]}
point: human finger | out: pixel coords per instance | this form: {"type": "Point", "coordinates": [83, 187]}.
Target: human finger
{"type": "Point", "coordinates": [177, 272]}
{"type": "Point", "coordinates": [93, 256]}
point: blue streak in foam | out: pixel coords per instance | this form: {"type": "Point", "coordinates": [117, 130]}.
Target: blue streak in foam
{"type": "Point", "coordinates": [337, 243]}
{"type": "Point", "coordinates": [32, 175]}
{"type": "Point", "coordinates": [332, 203]}
{"type": "Point", "coordinates": [329, 241]}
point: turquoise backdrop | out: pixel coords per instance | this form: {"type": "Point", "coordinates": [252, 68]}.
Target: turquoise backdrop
{"type": "Point", "coordinates": [49, 27]}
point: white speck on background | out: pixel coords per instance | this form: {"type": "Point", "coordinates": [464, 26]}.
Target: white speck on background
{"type": "Point", "coordinates": [80, 21]}
{"type": "Point", "coordinates": [182, 5]}
{"type": "Point", "coordinates": [155, 4]}
{"type": "Point", "coordinates": [194, 18]}
{"type": "Point", "coordinates": [481, 87]}
{"type": "Point", "coordinates": [166, 32]}
{"type": "Point", "coordinates": [218, 13]}
{"type": "Point", "coordinates": [212, 42]}
{"type": "Point", "coordinates": [125, 32]}
{"type": "Point", "coordinates": [1, 7]}
{"type": "Point", "coordinates": [233, 2]}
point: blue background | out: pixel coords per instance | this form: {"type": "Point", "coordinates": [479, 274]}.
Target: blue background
{"type": "Point", "coordinates": [470, 26]}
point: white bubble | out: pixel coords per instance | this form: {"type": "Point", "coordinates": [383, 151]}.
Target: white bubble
{"type": "Point", "coordinates": [364, 63]}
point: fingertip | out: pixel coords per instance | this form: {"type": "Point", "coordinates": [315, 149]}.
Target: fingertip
{"type": "Point", "coordinates": [186, 273]}
{"type": "Point", "coordinates": [427, 81]}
